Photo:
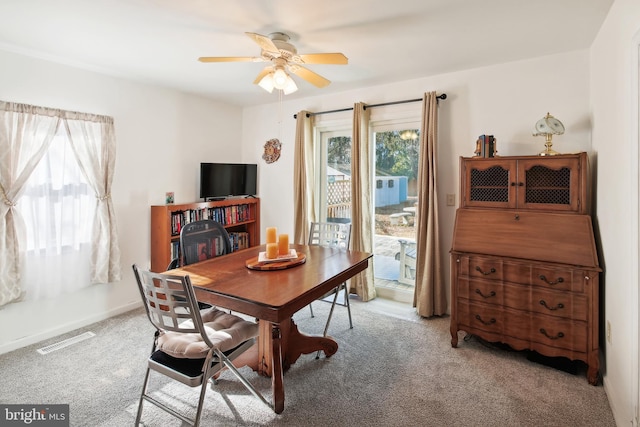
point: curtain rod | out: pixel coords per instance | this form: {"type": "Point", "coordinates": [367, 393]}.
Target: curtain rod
{"type": "Point", "coordinates": [443, 96]}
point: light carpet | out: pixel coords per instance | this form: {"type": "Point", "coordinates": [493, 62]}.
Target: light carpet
{"type": "Point", "coordinates": [388, 371]}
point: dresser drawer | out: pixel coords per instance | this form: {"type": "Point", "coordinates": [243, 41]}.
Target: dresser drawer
{"type": "Point", "coordinates": [480, 267]}
{"type": "Point", "coordinates": [480, 290]}
{"type": "Point", "coordinates": [568, 305]}
{"type": "Point", "coordinates": [550, 331]}
{"type": "Point", "coordinates": [559, 279]}
{"type": "Point", "coordinates": [480, 316]}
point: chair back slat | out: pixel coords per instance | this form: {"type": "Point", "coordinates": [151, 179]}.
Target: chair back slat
{"type": "Point", "coordinates": [334, 235]}
{"type": "Point", "coordinates": [169, 301]}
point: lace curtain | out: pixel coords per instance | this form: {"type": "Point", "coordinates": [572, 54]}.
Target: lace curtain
{"type": "Point", "coordinates": [52, 255]}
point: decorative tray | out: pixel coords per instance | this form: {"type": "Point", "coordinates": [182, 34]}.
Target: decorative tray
{"type": "Point", "coordinates": [280, 263]}
{"type": "Point", "coordinates": [262, 257]}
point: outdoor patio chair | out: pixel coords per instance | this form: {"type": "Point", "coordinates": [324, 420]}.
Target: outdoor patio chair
{"type": "Point", "coordinates": [407, 262]}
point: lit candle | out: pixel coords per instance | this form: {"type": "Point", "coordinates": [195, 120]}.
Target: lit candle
{"type": "Point", "coordinates": [283, 244]}
{"type": "Point", "coordinates": [272, 250]}
{"type": "Point", "coordinates": [271, 234]}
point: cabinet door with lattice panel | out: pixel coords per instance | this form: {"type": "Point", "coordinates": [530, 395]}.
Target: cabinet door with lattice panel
{"type": "Point", "coordinates": [487, 183]}
{"type": "Point", "coordinates": [549, 184]}
{"type": "Point", "coordinates": [554, 183]}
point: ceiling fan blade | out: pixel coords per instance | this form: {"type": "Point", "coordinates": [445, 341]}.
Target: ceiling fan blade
{"type": "Point", "coordinates": [324, 58]}
{"type": "Point", "coordinates": [264, 42]}
{"type": "Point", "coordinates": [262, 73]}
{"type": "Point", "coordinates": [313, 78]}
{"type": "Point", "coordinates": [229, 59]}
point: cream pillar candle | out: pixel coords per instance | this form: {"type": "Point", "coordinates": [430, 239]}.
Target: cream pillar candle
{"type": "Point", "coordinates": [283, 244]}
{"type": "Point", "coordinates": [271, 234]}
{"type": "Point", "coordinates": [272, 250]}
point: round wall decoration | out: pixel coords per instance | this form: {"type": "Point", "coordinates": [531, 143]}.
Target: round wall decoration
{"type": "Point", "coordinates": [272, 150]}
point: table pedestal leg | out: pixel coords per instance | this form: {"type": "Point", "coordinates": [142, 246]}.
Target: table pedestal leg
{"type": "Point", "coordinates": [279, 346]}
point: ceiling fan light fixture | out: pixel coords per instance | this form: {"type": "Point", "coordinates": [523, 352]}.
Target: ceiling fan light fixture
{"type": "Point", "coordinates": [290, 86]}
{"type": "Point", "coordinates": [280, 78]}
{"type": "Point", "coordinates": [267, 83]}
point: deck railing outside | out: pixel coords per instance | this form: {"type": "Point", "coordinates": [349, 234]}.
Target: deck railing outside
{"type": "Point", "coordinates": [339, 199]}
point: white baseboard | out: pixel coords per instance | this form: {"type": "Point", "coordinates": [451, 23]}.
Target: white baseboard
{"type": "Point", "coordinates": [68, 327]}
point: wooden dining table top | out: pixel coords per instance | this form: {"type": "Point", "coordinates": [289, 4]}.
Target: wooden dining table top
{"type": "Point", "coordinates": [273, 295]}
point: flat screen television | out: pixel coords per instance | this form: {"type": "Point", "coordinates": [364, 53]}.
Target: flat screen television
{"type": "Point", "coordinates": [222, 180]}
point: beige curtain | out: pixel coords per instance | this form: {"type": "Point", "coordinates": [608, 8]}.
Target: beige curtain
{"type": "Point", "coordinates": [92, 138]}
{"type": "Point", "coordinates": [361, 204]}
{"type": "Point", "coordinates": [303, 175]}
{"type": "Point", "coordinates": [430, 298]}
{"type": "Point", "coordinates": [25, 134]}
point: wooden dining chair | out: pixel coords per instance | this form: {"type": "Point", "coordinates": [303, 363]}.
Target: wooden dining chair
{"type": "Point", "coordinates": [189, 345]}
{"type": "Point", "coordinates": [334, 235]}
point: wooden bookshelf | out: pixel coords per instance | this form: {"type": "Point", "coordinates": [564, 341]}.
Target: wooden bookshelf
{"type": "Point", "coordinates": [239, 216]}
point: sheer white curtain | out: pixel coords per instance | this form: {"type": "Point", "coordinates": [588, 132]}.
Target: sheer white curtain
{"type": "Point", "coordinates": [93, 140]}
{"type": "Point", "coordinates": [70, 240]}
{"type": "Point", "coordinates": [25, 134]}
{"type": "Point", "coordinates": [57, 206]}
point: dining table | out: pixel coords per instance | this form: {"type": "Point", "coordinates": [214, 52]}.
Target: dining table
{"type": "Point", "coordinates": [271, 292]}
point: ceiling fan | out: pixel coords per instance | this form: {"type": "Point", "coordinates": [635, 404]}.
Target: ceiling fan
{"type": "Point", "coordinates": [283, 57]}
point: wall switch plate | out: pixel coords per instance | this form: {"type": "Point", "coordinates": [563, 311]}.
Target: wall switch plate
{"type": "Point", "coordinates": [451, 199]}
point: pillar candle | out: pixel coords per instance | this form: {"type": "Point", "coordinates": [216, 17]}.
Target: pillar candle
{"type": "Point", "coordinates": [271, 234]}
{"type": "Point", "coordinates": [283, 244]}
{"type": "Point", "coordinates": [272, 251]}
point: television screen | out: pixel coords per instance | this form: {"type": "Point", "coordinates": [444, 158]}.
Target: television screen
{"type": "Point", "coordinates": [219, 180]}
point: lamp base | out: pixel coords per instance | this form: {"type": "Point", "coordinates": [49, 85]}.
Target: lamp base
{"type": "Point", "coordinates": [547, 144]}
{"type": "Point", "coordinates": [548, 152]}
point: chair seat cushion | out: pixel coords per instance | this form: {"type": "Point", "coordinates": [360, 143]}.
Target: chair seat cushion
{"type": "Point", "coordinates": [225, 331]}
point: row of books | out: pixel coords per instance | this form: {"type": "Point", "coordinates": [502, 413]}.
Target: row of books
{"type": "Point", "coordinates": [204, 249]}
{"type": "Point", "coordinates": [225, 215]}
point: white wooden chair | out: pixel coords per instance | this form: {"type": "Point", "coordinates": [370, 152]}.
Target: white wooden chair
{"type": "Point", "coordinates": [335, 235]}
{"type": "Point", "coordinates": [407, 262]}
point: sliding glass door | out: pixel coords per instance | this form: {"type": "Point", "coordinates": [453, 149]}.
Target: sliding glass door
{"type": "Point", "coordinates": [395, 199]}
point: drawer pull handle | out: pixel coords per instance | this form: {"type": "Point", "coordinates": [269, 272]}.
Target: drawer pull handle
{"type": "Point", "coordinates": [491, 294]}
{"type": "Point", "coordinates": [544, 303]}
{"type": "Point", "coordinates": [490, 322]}
{"type": "Point", "coordinates": [543, 278]}
{"type": "Point", "coordinates": [486, 273]}
{"type": "Point", "coordinates": [559, 335]}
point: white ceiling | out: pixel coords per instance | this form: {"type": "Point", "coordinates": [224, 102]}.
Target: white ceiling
{"type": "Point", "coordinates": [159, 41]}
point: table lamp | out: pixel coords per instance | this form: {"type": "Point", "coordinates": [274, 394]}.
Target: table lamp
{"type": "Point", "coordinates": [547, 127]}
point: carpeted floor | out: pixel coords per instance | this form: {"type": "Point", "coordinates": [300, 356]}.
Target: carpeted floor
{"type": "Point", "coordinates": [389, 371]}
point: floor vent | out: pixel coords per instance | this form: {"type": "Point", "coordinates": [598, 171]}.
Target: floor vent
{"type": "Point", "coordinates": [65, 343]}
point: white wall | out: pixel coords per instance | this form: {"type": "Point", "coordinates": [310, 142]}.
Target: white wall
{"type": "Point", "coordinates": [614, 108]}
{"type": "Point", "coordinates": [161, 137]}
{"type": "Point", "coordinates": [504, 100]}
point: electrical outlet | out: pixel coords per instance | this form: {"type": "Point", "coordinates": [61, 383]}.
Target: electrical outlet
{"type": "Point", "coordinates": [451, 199]}
{"type": "Point", "coordinates": [608, 332]}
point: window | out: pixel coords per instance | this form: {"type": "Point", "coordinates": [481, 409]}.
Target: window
{"type": "Point", "coordinates": [335, 176]}
{"type": "Point", "coordinates": [58, 208]}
